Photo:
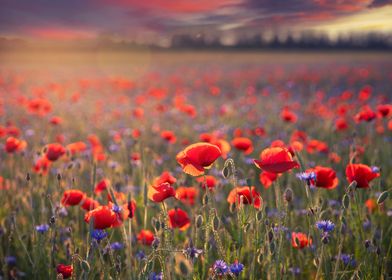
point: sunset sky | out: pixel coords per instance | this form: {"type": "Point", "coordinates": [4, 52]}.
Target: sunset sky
{"type": "Point", "coordinates": [144, 19]}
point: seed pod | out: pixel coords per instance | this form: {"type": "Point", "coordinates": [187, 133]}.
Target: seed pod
{"type": "Point", "coordinates": [249, 182]}
{"type": "Point", "coordinates": [346, 201]}
{"type": "Point", "coordinates": [383, 196]}
{"type": "Point", "coordinates": [199, 221]}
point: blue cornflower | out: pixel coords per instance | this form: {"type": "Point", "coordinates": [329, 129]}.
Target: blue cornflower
{"type": "Point", "coordinates": [116, 208]}
{"type": "Point", "coordinates": [10, 260]}
{"type": "Point", "coordinates": [236, 268]}
{"type": "Point", "coordinates": [295, 270]}
{"type": "Point", "coordinates": [116, 246]}
{"type": "Point", "coordinates": [42, 228]}
{"type": "Point", "coordinates": [306, 176]}
{"type": "Point", "coordinates": [375, 169]}
{"type": "Point", "coordinates": [98, 234]}
{"type": "Point", "coordinates": [140, 255]}
{"type": "Point", "coordinates": [192, 252]}
{"type": "Point", "coordinates": [220, 268]}
{"type": "Point", "coordinates": [155, 276]}
{"type": "Point", "coordinates": [348, 260]}
{"type": "Point", "coordinates": [325, 225]}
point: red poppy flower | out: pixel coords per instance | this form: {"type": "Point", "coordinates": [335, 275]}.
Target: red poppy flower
{"type": "Point", "coordinates": [195, 158]}
{"type": "Point", "coordinates": [54, 151]}
{"type": "Point", "coordinates": [166, 177]}
{"type": "Point", "coordinates": [243, 144]}
{"type": "Point", "coordinates": [248, 195]}
{"type": "Point", "coordinates": [316, 145]}
{"type": "Point", "coordinates": [288, 116]}
{"type": "Point", "coordinates": [76, 147]}
{"type": "Point", "coordinates": [384, 110]}
{"type": "Point", "coordinates": [89, 204]}
{"type": "Point", "coordinates": [267, 178]}
{"type": "Point", "coordinates": [366, 114]}
{"type": "Point", "coordinates": [341, 124]}
{"type": "Point", "coordinates": [360, 173]}
{"type": "Point", "coordinates": [146, 237]}
{"type": "Point", "coordinates": [72, 197]}
{"type": "Point", "coordinates": [56, 120]}
{"type": "Point", "coordinates": [178, 218]}
{"type": "Point", "coordinates": [42, 165]}
{"type": "Point", "coordinates": [371, 205]}
{"type": "Point", "coordinates": [13, 144]}
{"type": "Point", "coordinates": [65, 270]}
{"type": "Point", "coordinates": [209, 180]}
{"type": "Point", "coordinates": [161, 192]}
{"type": "Point", "coordinates": [325, 177]}
{"type": "Point", "coordinates": [101, 186]}
{"type": "Point", "coordinates": [276, 160]}
{"type": "Point", "coordinates": [103, 217]}
{"type": "Point", "coordinates": [169, 136]}
{"type": "Point", "coordinates": [187, 195]}
{"type": "Point", "coordinates": [120, 197]}
{"type": "Point", "coordinates": [300, 240]}
{"type": "Point", "coordinates": [131, 206]}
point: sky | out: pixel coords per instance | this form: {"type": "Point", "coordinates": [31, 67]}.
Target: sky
{"type": "Point", "coordinates": [144, 20]}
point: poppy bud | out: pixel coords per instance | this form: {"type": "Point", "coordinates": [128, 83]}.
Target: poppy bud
{"type": "Point", "coordinates": [216, 223]}
{"type": "Point", "coordinates": [383, 196]}
{"type": "Point", "coordinates": [346, 201]}
{"type": "Point", "coordinates": [28, 178]}
{"type": "Point", "coordinates": [288, 195]}
{"type": "Point", "coordinates": [199, 221]}
{"type": "Point", "coordinates": [272, 247]}
{"type": "Point", "coordinates": [260, 258]}
{"type": "Point", "coordinates": [259, 215]}
{"type": "Point", "coordinates": [270, 236]}
{"type": "Point", "coordinates": [205, 199]}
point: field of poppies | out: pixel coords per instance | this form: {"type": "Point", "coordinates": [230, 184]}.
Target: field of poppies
{"type": "Point", "coordinates": [181, 167]}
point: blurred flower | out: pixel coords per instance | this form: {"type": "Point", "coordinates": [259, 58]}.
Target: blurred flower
{"type": "Point", "coordinates": [42, 228]}
{"type": "Point", "coordinates": [155, 276]}
{"type": "Point", "coordinates": [64, 270]}
{"type": "Point", "coordinates": [116, 246]}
